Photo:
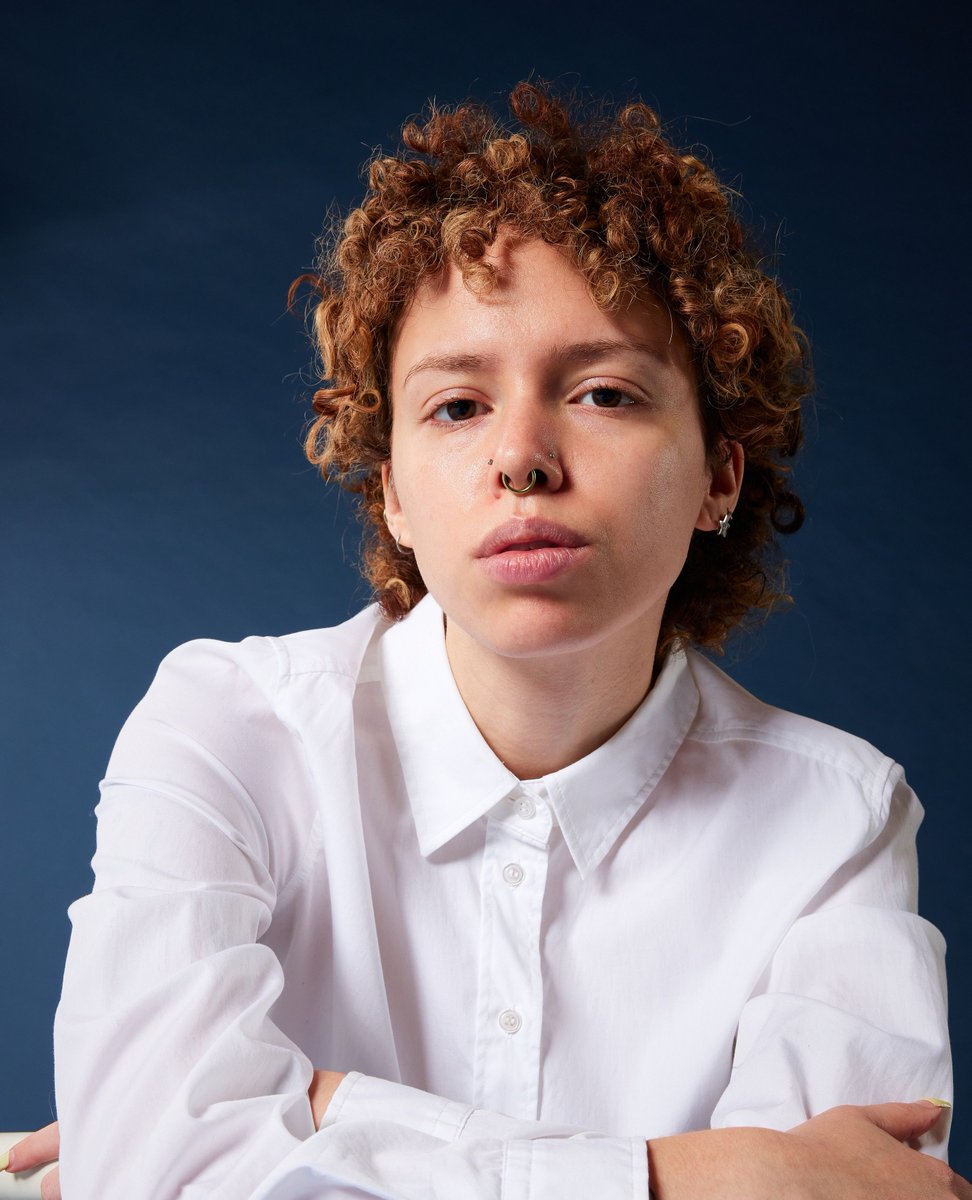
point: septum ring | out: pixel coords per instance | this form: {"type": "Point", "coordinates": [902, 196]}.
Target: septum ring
{"type": "Point", "coordinates": [530, 485]}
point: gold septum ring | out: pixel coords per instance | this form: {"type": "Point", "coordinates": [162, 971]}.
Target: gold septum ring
{"type": "Point", "coordinates": [530, 484]}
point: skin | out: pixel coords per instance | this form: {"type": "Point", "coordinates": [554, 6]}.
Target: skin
{"type": "Point", "coordinates": [36, 1150]}
{"type": "Point", "coordinates": [549, 670]}
{"type": "Point", "coordinates": [846, 1153]}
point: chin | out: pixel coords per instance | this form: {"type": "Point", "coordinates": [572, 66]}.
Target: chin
{"type": "Point", "coordinates": [540, 627]}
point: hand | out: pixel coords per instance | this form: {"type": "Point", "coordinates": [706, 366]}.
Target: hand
{"type": "Point", "coordinates": [846, 1153]}
{"type": "Point", "coordinates": [874, 1141]}
{"type": "Point", "coordinates": [322, 1088]}
{"type": "Point", "coordinates": [35, 1150]}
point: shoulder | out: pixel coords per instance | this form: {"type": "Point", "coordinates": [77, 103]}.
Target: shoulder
{"type": "Point", "coordinates": [805, 760]}
{"type": "Point", "coordinates": [223, 731]}
{"type": "Point", "coordinates": [248, 706]}
{"type": "Point", "coordinates": [263, 668]}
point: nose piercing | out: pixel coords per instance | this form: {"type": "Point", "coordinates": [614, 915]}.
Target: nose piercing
{"type": "Point", "coordinates": [530, 484]}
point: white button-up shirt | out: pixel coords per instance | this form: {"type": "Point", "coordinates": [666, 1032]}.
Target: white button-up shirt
{"type": "Point", "coordinates": [309, 857]}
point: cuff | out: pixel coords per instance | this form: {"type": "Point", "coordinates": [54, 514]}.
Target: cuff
{"type": "Point", "coordinates": [365, 1098]}
{"type": "Point", "coordinates": [611, 1168]}
{"type": "Point", "coordinates": [539, 1161]}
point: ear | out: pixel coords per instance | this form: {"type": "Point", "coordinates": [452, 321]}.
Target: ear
{"type": "Point", "coordinates": [394, 517]}
{"type": "Point", "coordinates": [725, 482]}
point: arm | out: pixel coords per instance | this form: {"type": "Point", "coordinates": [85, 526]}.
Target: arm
{"type": "Point", "coordinates": [171, 1072]}
{"type": "Point", "coordinates": [840, 1155]}
{"type": "Point", "coordinates": [851, 1009]}
{"type": "Point", "coordinates": [846, 1153]}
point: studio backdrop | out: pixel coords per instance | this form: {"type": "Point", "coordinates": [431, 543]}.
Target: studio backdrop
{"type": "Point", "coordinates": [166, 171]}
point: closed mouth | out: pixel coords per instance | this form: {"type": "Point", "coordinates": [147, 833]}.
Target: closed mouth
{"type": "Point", "coordinates": [531, 533]}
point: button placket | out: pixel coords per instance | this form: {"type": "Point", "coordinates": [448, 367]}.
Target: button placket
{"type": "Point", "coordinates": [510, 999]}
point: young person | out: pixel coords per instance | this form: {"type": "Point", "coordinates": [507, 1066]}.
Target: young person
{"type": "Point", "coordinates": [501, 888]}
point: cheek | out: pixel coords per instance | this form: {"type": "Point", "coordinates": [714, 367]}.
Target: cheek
{"type": "Point", "coordinates": [437, 490]}
{"type": "Point", "coordinates": [430, 518]}
{"type": "Point", "coordinates": [669, 491]}
{"type": "Point", "coordinates": [666, 521]}
{"type": "Point", "coordinates": [456, 464]}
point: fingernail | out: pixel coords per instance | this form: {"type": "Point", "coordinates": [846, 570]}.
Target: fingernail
{"type": "Point", "coordinates": [938, 1103]}
{"type": "Point", "coordinates": [4, 1160]}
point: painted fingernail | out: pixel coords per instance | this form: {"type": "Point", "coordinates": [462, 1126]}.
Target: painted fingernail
{"type": "Point", "coordinates": [4, 1160]}
{"type": "Point", "coordinates": [938, 1103]}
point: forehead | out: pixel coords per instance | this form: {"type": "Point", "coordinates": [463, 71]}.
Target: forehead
{"type": "Point", "coordinates": [538, 299]}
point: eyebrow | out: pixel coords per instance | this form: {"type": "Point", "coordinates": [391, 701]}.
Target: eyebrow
{"type": "Point", "coordinates": [568, 354]}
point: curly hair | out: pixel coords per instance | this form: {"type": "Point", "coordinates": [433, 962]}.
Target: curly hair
{"type": "Point", "coordinates": [632, 212]}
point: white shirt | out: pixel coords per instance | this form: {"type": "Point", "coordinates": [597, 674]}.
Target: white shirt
{"type": "Point", "coordinates": [309, 857]}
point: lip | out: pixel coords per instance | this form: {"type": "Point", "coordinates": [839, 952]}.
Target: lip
{"type": "Point", "coordinates": [518, 535]}
{"type": "Point", "coordinates": [511, 553]}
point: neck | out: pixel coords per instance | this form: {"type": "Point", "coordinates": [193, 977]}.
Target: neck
{"type": "Point", "coordinates": [539, 714]}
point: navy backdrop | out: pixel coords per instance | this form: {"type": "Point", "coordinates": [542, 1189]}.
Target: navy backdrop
{"type": "Point", "coordinates": [166, 170]}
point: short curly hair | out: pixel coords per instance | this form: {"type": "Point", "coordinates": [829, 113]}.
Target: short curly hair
{"type": "Point", "coordinates": [632, 212]}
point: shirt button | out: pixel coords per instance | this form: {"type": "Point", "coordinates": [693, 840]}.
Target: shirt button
{"type": "Point", "coordinates": [513, 874]}
{"type": "Point", "coordinates": [526, 808]}
{"type": "Point", "coordinates": [510, 1021]}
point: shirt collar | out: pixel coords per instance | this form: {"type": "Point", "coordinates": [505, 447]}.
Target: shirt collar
{"type": "Point", "coordinates": [453, 777]}
{"type": "Point", "coordinates": [595, 798]}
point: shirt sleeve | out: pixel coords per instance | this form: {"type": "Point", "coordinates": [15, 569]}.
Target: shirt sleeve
{"type": "Point", "coordinates": [397, 1141]}
{"type": "Point", "coordinates": [852, 1007]}
{"type": "Point", "coordinates": [172, 1078]}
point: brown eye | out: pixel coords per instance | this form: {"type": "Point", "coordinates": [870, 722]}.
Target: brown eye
{"type": "Point", "coordinates": [454, 411]}
{"type": "Point", "coordinates": [605, 397]}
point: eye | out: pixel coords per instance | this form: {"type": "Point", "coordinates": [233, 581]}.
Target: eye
{"type": "Point", "coordinates": [605, 397]}
{"type": "Point", "coordinates": [455, 411]}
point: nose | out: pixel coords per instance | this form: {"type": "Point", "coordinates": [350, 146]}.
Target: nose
{"type": "Point", "coordinates": [527, 458]}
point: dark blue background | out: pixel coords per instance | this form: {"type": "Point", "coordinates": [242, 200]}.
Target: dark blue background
{"type": "Point", "coordinates": [166, 170]}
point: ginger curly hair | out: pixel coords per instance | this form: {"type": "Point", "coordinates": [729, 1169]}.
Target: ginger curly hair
{"type": "Point", "coordinates": [632, 212]}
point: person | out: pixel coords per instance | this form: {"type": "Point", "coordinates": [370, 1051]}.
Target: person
{"type": "Point", "coordinates": [502, 887]}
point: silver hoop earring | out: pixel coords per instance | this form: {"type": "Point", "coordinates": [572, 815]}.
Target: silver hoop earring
{"type": "Point", "coordinates": [724, 522]}
{"type": "Point", "coordinates": [530, 484]}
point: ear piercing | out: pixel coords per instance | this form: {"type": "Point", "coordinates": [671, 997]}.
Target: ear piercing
{"type": "Point", "coordinates": [724, 522]}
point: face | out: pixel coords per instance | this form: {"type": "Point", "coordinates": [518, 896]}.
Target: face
{"type": "Point", "coordinates": [603, 405]}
